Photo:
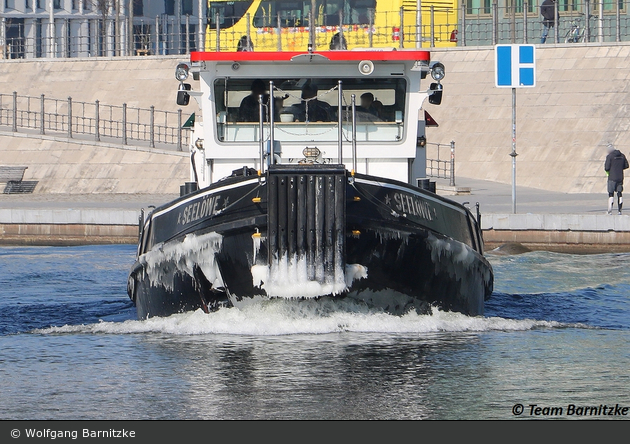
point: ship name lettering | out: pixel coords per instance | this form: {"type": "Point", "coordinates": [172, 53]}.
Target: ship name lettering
{"type": "Point", "coordinates": [406, 203]}
{"type": "Point", "coordinates": [198, 210]}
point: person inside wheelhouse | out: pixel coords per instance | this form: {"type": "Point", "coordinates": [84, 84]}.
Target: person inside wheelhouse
{"type": "Point", "coordinates": [248, 111]}
{"type": "Point", "coordinates": [311, 108]}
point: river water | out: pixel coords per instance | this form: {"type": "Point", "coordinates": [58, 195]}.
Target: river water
{"type": "Point", "coordinates": [556, 334]}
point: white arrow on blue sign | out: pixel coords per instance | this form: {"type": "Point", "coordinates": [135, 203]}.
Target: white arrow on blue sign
{"type": "Point", "coordinates": [515, 66]}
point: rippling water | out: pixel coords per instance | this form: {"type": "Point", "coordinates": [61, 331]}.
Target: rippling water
{"type": "Point", "coordinates": [556, 332]}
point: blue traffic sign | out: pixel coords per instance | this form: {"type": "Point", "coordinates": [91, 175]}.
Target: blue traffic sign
{"type": "Point", "coordinates": [515, 66]}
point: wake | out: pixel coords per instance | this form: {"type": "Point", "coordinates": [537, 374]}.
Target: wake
{"type": "Point", "coordinates": [285, 317]}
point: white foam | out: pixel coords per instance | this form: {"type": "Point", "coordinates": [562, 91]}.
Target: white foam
{"type": "Point", "coordinates": [288, 278]}
{"type": "Point", "coordinates": [289, 317]}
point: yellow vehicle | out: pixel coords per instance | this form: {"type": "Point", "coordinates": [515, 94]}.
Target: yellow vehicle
{"type": "Point", "coordinates": [290, 25]}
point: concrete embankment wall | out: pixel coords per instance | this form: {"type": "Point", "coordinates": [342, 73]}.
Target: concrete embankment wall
{"type": "Point", "coordinates": [566, 233]}
{"type": "Point", "coordinates": [581, 102]}
{"type": "Point", "coordinates": [75, 166]}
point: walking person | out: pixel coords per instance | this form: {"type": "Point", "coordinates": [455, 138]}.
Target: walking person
{"type": "Point", "coordinates": [615, 163]}
{"type": "Point", "coordinates": [547, 9]}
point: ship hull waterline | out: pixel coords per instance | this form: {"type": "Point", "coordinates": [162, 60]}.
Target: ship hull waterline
{"type": "Point", "coordinates": [385, 244]}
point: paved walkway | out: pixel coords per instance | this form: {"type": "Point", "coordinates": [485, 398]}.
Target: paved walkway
{"type": "Point", "coordinates": [496, 198]}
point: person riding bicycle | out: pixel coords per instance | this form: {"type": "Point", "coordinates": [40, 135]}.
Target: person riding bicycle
{"type": "Point", "coordinates": [547, 11]}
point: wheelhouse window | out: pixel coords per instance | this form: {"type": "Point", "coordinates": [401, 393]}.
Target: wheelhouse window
{"type": "Point", "coordinates": [307, 109]}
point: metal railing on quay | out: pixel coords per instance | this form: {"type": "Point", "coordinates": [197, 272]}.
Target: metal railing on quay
{"type": "Point", "coordinates": [571, 22]}
{"type": "Point", "coordinates": [441, 161]}
{"type": "Point", "coordinates": [72, 118]}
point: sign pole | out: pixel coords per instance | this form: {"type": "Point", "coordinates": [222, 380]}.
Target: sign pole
{"type": "Point", "coordinates": [513, 153]}
{"type": "Point", "coordinates": [515, 67]}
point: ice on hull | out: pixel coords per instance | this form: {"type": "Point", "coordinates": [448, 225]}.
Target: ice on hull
{"type": "Point", "coordinates": [393, 270]}
{"type": "Point", "coordinates": [418, 271]}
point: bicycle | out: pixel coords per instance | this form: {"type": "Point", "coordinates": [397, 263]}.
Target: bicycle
{"type": "Point", "coordinates": [576, 32]}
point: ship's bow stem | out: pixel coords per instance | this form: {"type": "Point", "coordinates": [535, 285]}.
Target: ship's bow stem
{"type": "Point", "coordinates": [307, 222]}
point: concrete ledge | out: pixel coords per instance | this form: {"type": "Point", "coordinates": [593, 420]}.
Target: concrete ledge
{"type": "Point", "coordinates": [71, 234]}
{"type": "Point", "coordinates": [556, 222]}
{"type": "Point", "coordinates": [96, 217]}
{"type": "Point", "coordinates": [561, 241]}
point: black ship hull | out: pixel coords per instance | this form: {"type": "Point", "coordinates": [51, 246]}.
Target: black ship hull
{"type": "Point", "coordinates": [310, 231]}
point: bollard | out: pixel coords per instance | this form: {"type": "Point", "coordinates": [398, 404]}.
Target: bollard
{"type": "Point", "coordinates": [69, 117]}
{"type": "Point", "coordinates": [478, 215]}
{"type": "Point", "coordinates": [179, 129]}
{"type": "Point", "coordinates": [97, 132]}
{"type": "Point", "coordinates": [140, 224]}
{"type": "Point", "coordinates": [152, 129]}
{"type": "Point", "coordinates": [452, 181]}
{"type": "Point", "coordinates": [42, 119]}
{"type": "Point", "coordinates": [14, 111]}
{"type": "Point", "coordinates": [124, 124]}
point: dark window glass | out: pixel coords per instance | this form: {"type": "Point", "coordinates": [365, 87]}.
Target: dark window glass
{"type": "Point", "coordinates": [328, 12]}
{"type": "Point", "coordinates": [138, 8]}
{"type": "Point", "coordinates": [229, 12]}
{"type": "Point", "coordinates": [187, 7]}
{"type": "Point", "coordinates": [169, 7]}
